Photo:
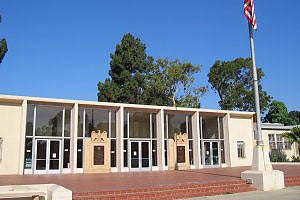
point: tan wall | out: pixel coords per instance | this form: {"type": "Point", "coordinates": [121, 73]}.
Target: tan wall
{"type": "Point", "coordinates": [241, 129]}
{"type": "Point", "coordinates": [289, 153]}
{"type": "Point", "coordinates": [10, 131]}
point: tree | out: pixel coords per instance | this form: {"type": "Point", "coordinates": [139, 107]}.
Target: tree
{"type": "Point", "coordinates": [3, 46]}
{"type": "Point", "coordinates": [172, 81]}
{"type": "Point", "coordinates": [137, 78]}
{"type": "Point", "coordinates": [293, 136]}
{"type": "Point", "coordinates": [233, 82]}
{"type": "Point", "coordinates": [129, 66]}
{"type": "Point", "coordinates": [278, 113]}
{"type": "Point", "coordinates": [295, 115]}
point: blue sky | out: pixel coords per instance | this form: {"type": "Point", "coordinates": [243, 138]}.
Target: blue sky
{"type": "Point", "coordinates": [60, 49]}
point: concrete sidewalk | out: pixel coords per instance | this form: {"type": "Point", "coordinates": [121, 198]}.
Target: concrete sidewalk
{"type": "Point", "coordinates": [290, 193]}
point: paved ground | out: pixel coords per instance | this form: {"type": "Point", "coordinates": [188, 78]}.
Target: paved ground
{"type": "Point", "coordinates": [291, 193]}
{"type": "Point", "coordinates": [137, 180]}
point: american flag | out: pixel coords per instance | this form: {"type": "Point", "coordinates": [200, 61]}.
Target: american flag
{"type": "Point", "coordinates": [250, 13]}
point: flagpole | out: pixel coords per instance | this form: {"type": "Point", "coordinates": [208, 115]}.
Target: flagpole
{"type": "Point", "coordinates": [256, 92]}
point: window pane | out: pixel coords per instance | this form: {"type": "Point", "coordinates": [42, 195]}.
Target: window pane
{"type": "Point", "coordinates": [96, 119]}
{"type": "Point", "coordinates": [29, 120]}
{"type": "Point", "coordinates": [153, 115]}
{"type": "Point", "coordinates": [125, 125]}
{"type": "Point", "coordinates": [139, 125]}
{"type": "Point", "coordinates": [79, 153]}
{"type": "Point", "coordinates": [48, 121]}
{"type": "Point", "coordinates": [154, 153]}
{"type": "Point", "coordinates": [176, 124]}
{"type": "Point", "coordinates": [222, 152]}
{"type": "Point", "coordinates": [113, 153]}
{"type": "Point", "coordinates": [80, 122]}
{"type": "Point", "coordinates": [221, 128]}
{"type": "Point", "coordinates": [125, 164]}
{"type": "Point", "coordinates": [166, 152]}
{"type": "Point", "coordinates": [28, 153]}
{"type": "Point", "coordinates": [113, 124]}
{"type": "Point", "coordinates": [190, 135]}
{"type": "Point", "coordinates": [67, 122]}
{"type": "Point", "coordinates": [191, 155]}
{"type": "Point", "coordinates": [66, 162]}
{"type": "Point", "coordinates": [210, 128]}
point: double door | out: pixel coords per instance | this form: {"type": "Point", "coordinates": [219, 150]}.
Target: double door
{"type": "Point", "coordinates": [211, 153]}
{"type": "Point", "coordinates": [47, 156]}
{"type": "Point", "coordinates": [139, 155]}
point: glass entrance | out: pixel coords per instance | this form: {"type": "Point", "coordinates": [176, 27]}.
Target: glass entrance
{"type": "Point", "coordinates": [139, 155]}
{"type": "Point", "coordinates": [47, 156]}
{"type": "Point", "coordinates": [211, 154]}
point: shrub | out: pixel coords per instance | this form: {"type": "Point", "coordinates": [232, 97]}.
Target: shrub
{"type": "Point", "coordinates": [278, 156]}
{"type": "Point", "coordinates": [295, 159]}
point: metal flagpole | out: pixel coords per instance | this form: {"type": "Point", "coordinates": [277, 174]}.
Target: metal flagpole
{"type": "Point", "coordinates": [256, 92]}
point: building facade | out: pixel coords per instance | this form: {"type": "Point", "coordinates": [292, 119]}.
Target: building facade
{"type": "Point", "coordinates": [272, 135]}
{"type": "Point", "coordinates": [44, 136]}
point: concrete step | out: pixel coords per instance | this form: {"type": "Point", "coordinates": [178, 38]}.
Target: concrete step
{"type": "Point", "coordinates": [170, 192]}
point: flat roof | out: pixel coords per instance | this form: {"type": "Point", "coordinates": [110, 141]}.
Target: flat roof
{"type": "Point", "coordinates": [15, 98]}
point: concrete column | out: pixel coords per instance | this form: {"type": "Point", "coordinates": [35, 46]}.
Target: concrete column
{"type": "Point", "coordinates": [226, 129]}
{"type": "Point", "coordinates": [119, 138]}
{"type": "Point", "coordinates": [73, 146]}
{"type": "Point", "coordinates": [196, 137]}
{"type": "Point", "coordinates": [23, 134]}
{"type": "Point", "coordinates": [160, 139]}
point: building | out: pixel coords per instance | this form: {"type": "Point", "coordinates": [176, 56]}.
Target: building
{"type": "Point", "coordinates": [43, 136]}
{"type": "Point", "coordinates": [272, 135]}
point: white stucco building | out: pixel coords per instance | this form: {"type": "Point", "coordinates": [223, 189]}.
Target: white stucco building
{"type": "Point", "coordinates": [43, 135]}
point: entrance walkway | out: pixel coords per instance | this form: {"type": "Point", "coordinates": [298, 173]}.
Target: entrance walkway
{"type": "Point", "coordinates": [138, 180]}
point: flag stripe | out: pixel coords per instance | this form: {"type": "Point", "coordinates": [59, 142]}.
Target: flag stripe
{"type": "Point", "coordinates": [249, 13]}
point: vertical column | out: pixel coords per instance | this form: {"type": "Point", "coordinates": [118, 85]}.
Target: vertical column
{"type": "Point", "coordinates": [23, 133]}
{"type": "Point", "coordinates": [226, 129]}
{"type": "Point", "coordinates": [119, 137]}
{"type": "Point", "coordinates": [74, 130]}
{"type": "Point", "coordinates": [160, 140]}
{"type": "Point", "coordinates": [196, 137]}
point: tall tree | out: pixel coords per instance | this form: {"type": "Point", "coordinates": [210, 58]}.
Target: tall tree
{"type": "Point", "coordinates": [233, 82]}
{"type": "Point", "coordinates": [3, 46]}
{"type": "Point", "coordinates": [128, 68]}
{"type": "Point", "coordinates": [137, 78]}
{"type": "Point", "coordinates": [173, 83]}
{"type": "Point", "coordinates": [295, 115]}
{"type": "Point", "coordinates": [278, 113]}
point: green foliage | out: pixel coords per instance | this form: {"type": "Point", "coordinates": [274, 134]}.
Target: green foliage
{"type": "Point", "coordinates": [295, 159]}
{"type": "Point", "coordinates": [233, 82]}
{"type": "Point", "coordinates": [3, 47]}
{"type": "Point", "coordinates": [293, 136]}
{"type": "Point", "coordinates": [278, 113]}
{"type": "Point", "coordinates": [137, 78]}
{"type": "Point", "coordinates": [278, 156]}
{"type": "Point", "coordinates": [295, 115]}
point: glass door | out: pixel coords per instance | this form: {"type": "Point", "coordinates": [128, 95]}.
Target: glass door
{"type": "Point", "coordinates": [211, 154]}
{"type": "Point", "coordinates": [41, 156]}
{"type": "Point", "coordinates": [48, 156]}
{"type": "Point", "coordinates": [139, 155]}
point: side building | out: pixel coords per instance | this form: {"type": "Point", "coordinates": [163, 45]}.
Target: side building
{"type": "Point", "coordinates": [45, 136]}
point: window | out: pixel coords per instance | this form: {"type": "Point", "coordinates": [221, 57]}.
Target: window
{"type": "Point", "coordinates": [279, 141]}
{"type": "Point", "coordinates": [241, 149]}
{"type": "Point", "coordinates": [272, 142]}
{"type": "Point", "coordinates": [287, 144]}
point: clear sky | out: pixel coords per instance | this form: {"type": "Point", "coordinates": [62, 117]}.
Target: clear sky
{"type": "Point", "coordinates": [60, 49]}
